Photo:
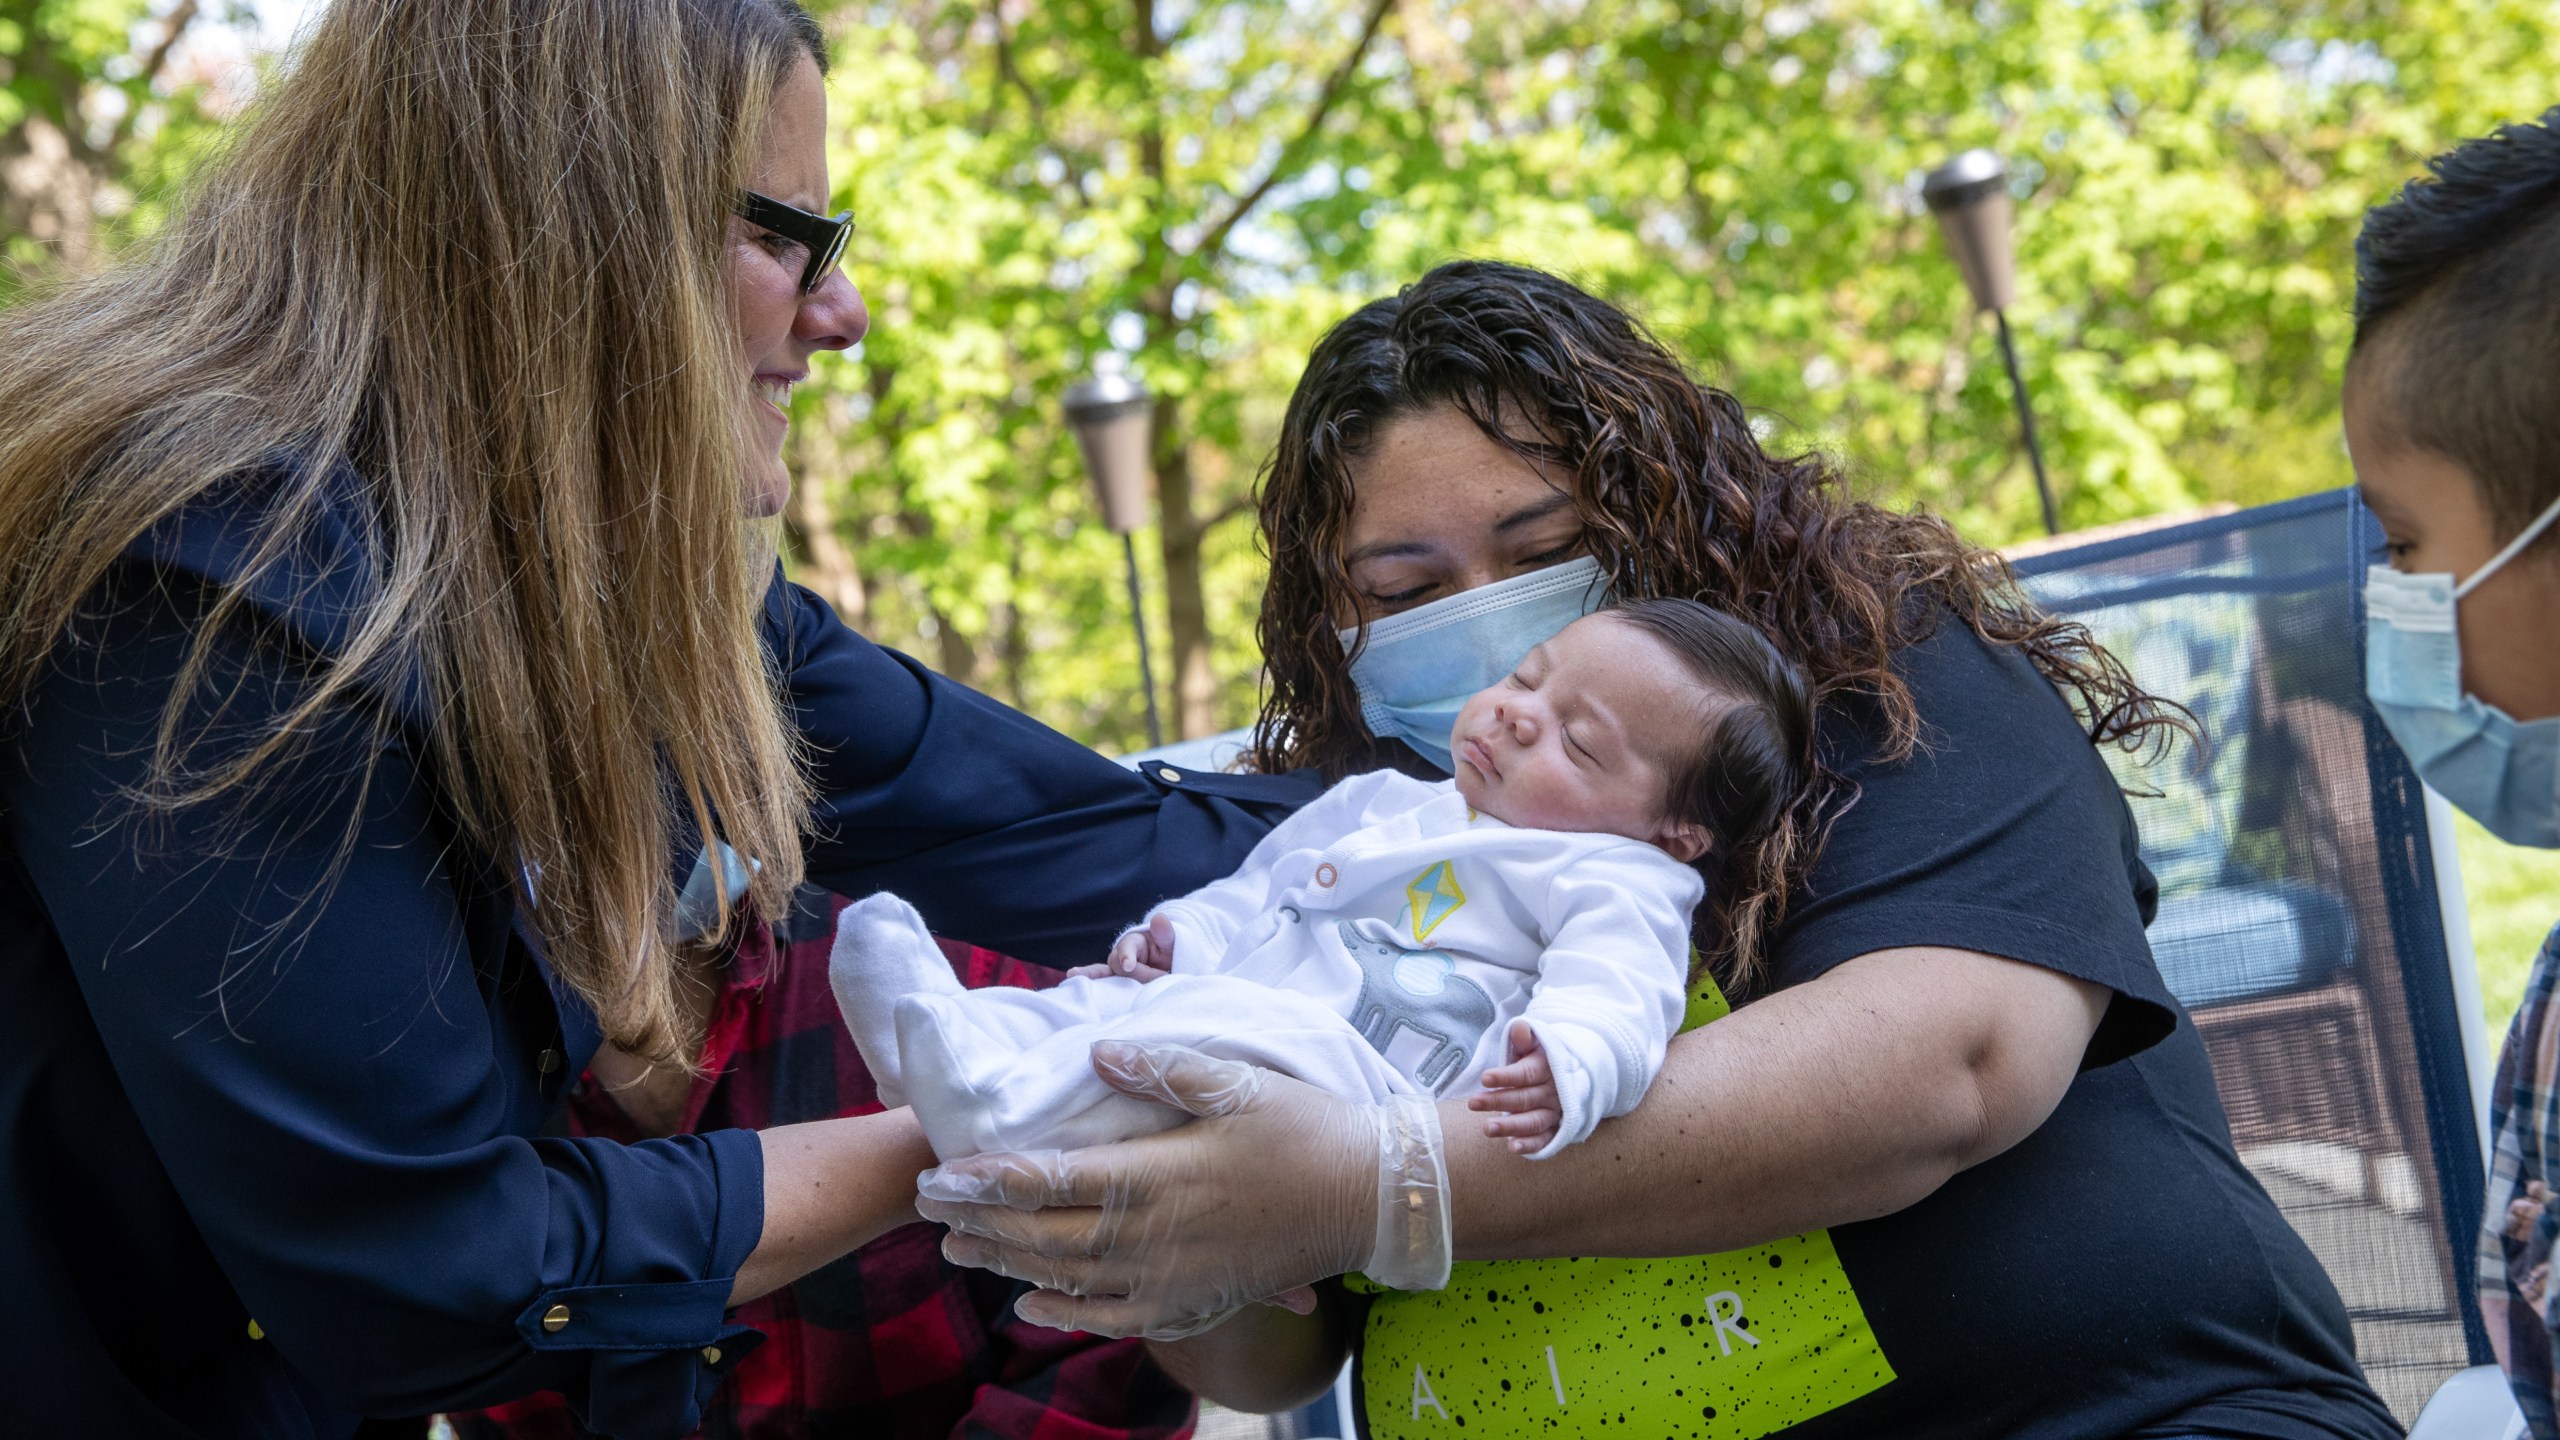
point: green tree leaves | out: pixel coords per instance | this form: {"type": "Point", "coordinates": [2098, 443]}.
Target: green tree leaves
{"type": "Point", "coordinates": [96, 123]}
{"type": "Point", "coordinates": [1196, 188]}
{"type": "Point", "coordinates": [1053, 184]}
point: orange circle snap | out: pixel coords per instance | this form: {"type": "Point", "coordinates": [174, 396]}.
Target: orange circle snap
{"type": "Point", "coordinates": [1325, 874]}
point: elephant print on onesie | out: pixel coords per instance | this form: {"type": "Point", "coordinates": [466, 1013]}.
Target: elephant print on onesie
{"type": "Point", "coordinates": [1416, 996]}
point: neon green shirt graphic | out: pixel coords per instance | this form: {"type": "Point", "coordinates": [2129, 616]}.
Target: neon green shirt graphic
{"type": "Point", "coordinates": [1730, 1347]}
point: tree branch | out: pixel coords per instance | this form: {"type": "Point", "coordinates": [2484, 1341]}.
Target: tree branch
{"type": "Point", "coordinates": [1241, 505]}
{"type": "Point", "coordinates": [1157, 262]}
{"type": "Point", "coordinates": [1214, 240]}
{"type": "Point", "coordinates": [2303, 174]}
{"type": "Point", "coordinates": [1078, 163]}
{"type": "Point", "coordinates": [1011, 73]}
{"type": "Point", "coordinates": [182, 15]}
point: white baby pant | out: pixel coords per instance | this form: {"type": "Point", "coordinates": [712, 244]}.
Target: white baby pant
{"type": "Point", "coordinates": [1009, 1069]}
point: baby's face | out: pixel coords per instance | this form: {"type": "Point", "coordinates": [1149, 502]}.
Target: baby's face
{"type": "Point", "coordinates": [1582, 736]}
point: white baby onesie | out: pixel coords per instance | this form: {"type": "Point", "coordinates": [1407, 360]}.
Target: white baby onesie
{"type": "Point", "coordinates": [1379, 941]}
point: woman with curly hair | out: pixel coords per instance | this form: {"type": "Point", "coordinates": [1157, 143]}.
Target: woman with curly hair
{"type": "Point", "coordinates": [1947, 1162]}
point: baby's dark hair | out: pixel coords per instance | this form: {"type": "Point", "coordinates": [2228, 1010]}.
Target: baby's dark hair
{"type": "Point", "coordinates": [2457, 315]}
{"type": "Point", "coordinates": [1754, 757]}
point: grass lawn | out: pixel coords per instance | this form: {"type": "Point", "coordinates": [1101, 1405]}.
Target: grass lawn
{"type": "Point", "coordinates": [2514, 895]}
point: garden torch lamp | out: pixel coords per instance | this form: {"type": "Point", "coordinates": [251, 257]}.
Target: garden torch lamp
{"type": "Point", "coordinates": [1970, 197]}
{"type": "Point", "coordinates": [1110, 415]}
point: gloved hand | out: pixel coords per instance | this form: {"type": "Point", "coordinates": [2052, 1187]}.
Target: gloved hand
{"type": "Point", "coordinates": [1275, 1186]}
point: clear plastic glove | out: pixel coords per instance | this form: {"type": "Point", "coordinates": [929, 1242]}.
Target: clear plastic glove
{"type": "Point", "coordinates": [1277, 1185]}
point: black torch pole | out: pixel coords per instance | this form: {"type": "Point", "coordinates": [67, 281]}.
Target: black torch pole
{"type": "Point", "coordinates": [2027, 423]}
{"type": "Point", "coordinates": [1146, 667]}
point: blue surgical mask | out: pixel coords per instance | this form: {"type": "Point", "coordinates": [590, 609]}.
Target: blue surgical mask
{"type": "Point", "coordinates": [1420, 667]}
{"type": "Point", "coordinates": [2501, 772]}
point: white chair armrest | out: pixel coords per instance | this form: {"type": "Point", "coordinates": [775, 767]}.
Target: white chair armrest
{"type": "Point", "coordinates": [2473, 1405]}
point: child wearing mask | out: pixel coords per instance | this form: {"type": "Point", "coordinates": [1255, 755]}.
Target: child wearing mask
{"type": "Point", "coordinates": [2453, 419]}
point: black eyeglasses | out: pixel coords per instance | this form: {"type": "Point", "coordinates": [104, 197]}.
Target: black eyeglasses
{"type": "Point", "coordinates": [821, 237]}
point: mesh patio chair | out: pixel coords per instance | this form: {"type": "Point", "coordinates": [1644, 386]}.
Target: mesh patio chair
{"type": "Point", "coordinates": [2311, 917]}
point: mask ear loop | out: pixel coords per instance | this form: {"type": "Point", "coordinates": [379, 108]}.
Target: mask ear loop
{"type": "Point", "coordinates": [2513, 548]}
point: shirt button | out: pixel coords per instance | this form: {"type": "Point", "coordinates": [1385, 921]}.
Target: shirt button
{"type": "Point", "coordinates": [1171, 775]}
{"type": "Point", "coordinates": [1325, 875]}
{"type": "Point", "coordinates": [547, 1061]}
{"type": "Point", "coordinates": [710, 1354]}
{"type": "Point", "coordinates": [556, 1319]}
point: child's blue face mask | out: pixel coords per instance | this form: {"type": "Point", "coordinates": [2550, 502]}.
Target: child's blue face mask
{"type": "Point", "coordinates": [2502, 772]}
{"type": "Point", "coordinates": [1420, 667]}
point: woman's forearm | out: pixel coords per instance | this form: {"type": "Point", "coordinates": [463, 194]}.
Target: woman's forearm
{"type": "Point", "coordinates": [1263, 1361]}
{"type": "Point", "coordinates": [829, 1186]}
{"type": "Point", "coordinates": [1839, 1100]}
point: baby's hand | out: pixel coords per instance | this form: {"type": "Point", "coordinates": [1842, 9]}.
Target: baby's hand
{"type": "Point", "coordinates": [1140, 955]}
{"type": "Point", "coordinates": [1526, 1090]}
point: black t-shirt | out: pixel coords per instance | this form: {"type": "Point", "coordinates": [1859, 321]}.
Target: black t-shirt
{"type": "Point", "coordinates": [2118, 1270]}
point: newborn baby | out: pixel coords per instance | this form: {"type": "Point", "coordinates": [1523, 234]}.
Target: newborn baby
{"type": "Point", "coordinates": [1522, 928]}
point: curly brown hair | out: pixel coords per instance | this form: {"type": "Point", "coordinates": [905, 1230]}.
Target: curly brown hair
{"type": "Point", "coordinates": [1676, 497]}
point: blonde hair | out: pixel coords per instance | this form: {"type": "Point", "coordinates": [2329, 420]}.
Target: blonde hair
{"type": "Point", "coordinates": [468, 252]}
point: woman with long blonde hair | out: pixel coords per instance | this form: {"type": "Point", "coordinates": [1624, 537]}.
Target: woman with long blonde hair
{"type": "Point", "coordinates": [383, 636]}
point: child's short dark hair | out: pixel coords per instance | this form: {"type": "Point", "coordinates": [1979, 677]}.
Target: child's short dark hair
{"type": "Point", "coordinates": [2458, 305]}
{"type": "Point", "coordinates": [1756, 756]}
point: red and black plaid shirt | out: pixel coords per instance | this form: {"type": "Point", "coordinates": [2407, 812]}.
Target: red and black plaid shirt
{"type": "Point", "coordinates": [892, 1342]}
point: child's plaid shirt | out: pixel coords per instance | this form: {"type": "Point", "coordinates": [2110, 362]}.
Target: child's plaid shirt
{"type": "Point", "coordinates": [2524, 1174]}
{"type": "Point", "coordinates": [891, 1342]}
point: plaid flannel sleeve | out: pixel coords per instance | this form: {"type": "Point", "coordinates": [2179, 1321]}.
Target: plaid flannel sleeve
{"type": "Point", "coordinates": [2517, 1232]}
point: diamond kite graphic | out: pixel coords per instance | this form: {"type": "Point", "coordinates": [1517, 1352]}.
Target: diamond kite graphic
{"type": "Point", "coordinates": [1434, 896]}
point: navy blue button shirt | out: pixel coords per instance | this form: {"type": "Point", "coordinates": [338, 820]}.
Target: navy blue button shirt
{"type": "Point", "coordinates": [273, 1074]}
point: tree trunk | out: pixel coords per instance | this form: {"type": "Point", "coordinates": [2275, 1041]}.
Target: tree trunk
{"type": "Point", "coordinates": [1178, 529]}
{"type": "Point", "coordinates": [1015, 646]}
{"type": "Point", "coordinates": [959, 658]}
{"type": "Point", "coordinates": [1179, 533]}
{"type": "Point", "coordinates": [826, 562]}
{"type": "Point", "coordinates": [956, 656]}
{"type": "Point", "coordinates": [47, 193]}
